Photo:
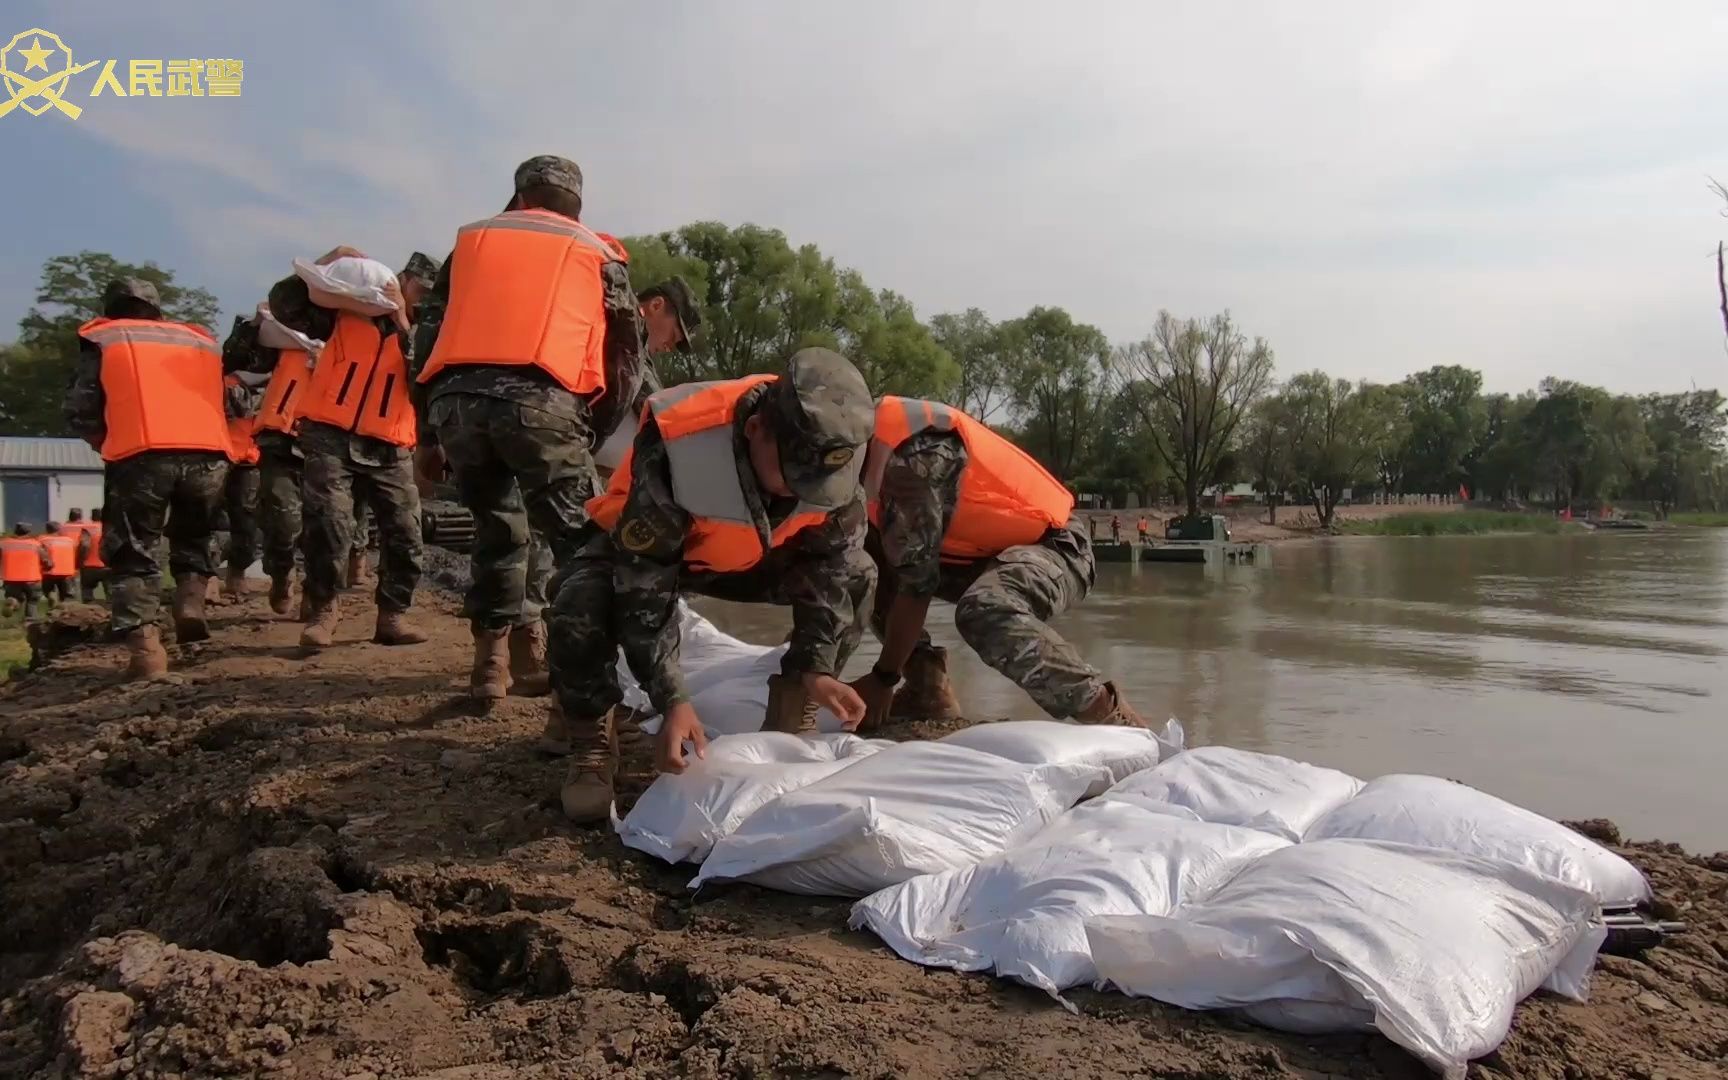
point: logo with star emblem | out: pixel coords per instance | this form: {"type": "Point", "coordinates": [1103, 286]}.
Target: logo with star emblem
{"type": "Point", "coordinates": [30, 52]}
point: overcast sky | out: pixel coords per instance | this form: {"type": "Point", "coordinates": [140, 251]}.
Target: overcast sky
{"type": "Point", "coordinates": [1373, 187]}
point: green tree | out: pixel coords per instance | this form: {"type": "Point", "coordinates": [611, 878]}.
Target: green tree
{"type": "Point", "coordinates": [1446, 421]}
{"type": "Point", "coordinates": [1501, 467]}
{"type": "Point", "coordinates": [1337, 432]}
{"type": "Point", "coordinates": [1264, 448]}
{"type": "Point", "coordinates": [1054, 367]}
{"type": "Point", "coordinates": [37, 370]}
{"type": "Point", "coordinates": [1686, 433]}
{"type": "Point", "coordinates": [979, 348]}
{"type": "Point", "coordinates": [1119, 457]}
{"type": "Point", "coordinates": [1192, 383]}
{"type": "Point", "coordinates": [1563, 436]}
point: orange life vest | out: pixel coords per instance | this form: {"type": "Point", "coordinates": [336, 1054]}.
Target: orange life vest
{"type": "Point", "coordinates": [242, 446]}
{"type": "Point", "coordinates": [279, 411]}
{"type": "Point", "coordinates": [360, 383]}
{"type": "Point", "coordinates": [20, 560]}
{"type": "Point", "coordinates": [163, 384]}
{"type": "Point", "coordinates": [525, 289]}
{"type": "Point", "coordinates": [696, 421]}
{"type": "Point", "coordinates": [1006, 498]}
{"type": "Point", "coordinates": [92, 561]}
{"type": "Point", "coordinates": [62, 554]}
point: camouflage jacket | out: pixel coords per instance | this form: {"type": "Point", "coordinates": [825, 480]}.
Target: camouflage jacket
{"type": "Point", "coordinates": [626, 350]}
{"type": "Point", "coordinates": [920, 487]}
{"type": "Point", "coordinates": [649, 566]}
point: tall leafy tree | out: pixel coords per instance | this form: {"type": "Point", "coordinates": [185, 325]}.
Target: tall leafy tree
{"type": "Point", "coordinates": [1338, 431]}
{"type": "Point", "coordinates": [1054, 367]}
{"type": "Point", "coordinates": [1446, 418]}
{"type": "Point", "coordinates": [979, 348]}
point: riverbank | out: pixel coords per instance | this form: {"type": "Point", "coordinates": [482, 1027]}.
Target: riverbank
{"type": "Point", "coordinates": [328, 868]}
{"type": "Point", "coordinates": [1457, 523]}
{"type": "Point", "coordinates": [1700, 520]}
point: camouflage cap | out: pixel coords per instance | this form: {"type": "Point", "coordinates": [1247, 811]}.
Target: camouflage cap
{"type": "Point", "coordinates": [678, 293]}
{"type": "Point", "coordinates": [552, 171]}
{"type": "Point", "coordinates": [421, 267]}
{"type": "Point", "coordinates": [822, 417]}
{"type": "Point", "coordinates": [131, 288]}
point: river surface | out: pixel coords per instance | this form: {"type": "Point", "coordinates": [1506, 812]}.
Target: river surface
{"type": "Point", "coordinates": [1581, 676]}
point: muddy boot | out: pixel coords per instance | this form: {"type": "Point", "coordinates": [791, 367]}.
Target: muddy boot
{"type": "Point", "coordinates": [190, 592]}
{"type": "Point", "coordinates": [489, 679]}
{"type": "Point", "coordinates": [305, 613]}
{"type": "Point", "coordinates": [146, 659]}
{"type": "Point", "coordinates": [234, 586]}
{"type": "Point", "coordinates": [528, 676]}
{"type": "Point", "coordinates": [321, 619]}
{"type": "Point", "coordinates": [281, 595]}
{"type": "Point", "coordinates": [789, 708]}
{"type": "Point", "coordinates": [395, 629]}
{"type": "Point", "coordinates": [926, 694]}
{"type": "Point", "coordinates": [357, 576]}
{"type": "Point", "coordinates": [1109, 709]}
{"type": "Point", "coordinates": [555, 736]}
{"type": "Point", "coordinates": [588, 785]}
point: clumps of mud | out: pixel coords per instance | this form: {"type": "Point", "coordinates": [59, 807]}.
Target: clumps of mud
{"type": "Point", "coordinates": [328, 868]}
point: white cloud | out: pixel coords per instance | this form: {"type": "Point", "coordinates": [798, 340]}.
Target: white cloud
{"type": "Point", "coordinates": [1375, 188]}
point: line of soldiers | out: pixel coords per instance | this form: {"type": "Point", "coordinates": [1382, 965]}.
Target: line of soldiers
{"type": "Point", "coordinates": [43, 566]}
{"type": "Point", "coordinates": [526, 352]}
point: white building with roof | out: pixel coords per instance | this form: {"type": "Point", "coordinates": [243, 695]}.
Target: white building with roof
{"type": "Point", "coordinates": [41, 479]}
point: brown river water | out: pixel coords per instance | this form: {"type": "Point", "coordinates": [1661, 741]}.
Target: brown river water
{"type": "Point", "coordinates": [1580, 675]}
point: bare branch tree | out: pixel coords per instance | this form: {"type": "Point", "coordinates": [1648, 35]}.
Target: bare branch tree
{"type": "Point", "coordinates": [1192, 382]}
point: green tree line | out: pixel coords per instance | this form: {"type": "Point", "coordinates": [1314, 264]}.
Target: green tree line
{"type": "Point", "coordinates": [1191, 406]}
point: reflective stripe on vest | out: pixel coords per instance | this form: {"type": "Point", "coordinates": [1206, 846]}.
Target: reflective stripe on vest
{"type": "Point", "coordinates": [1006, 498]}
{"type": "Point", "coordinates": [20, 561]}
{"type": "Point", "coordinates": [361, 383]}
{"type": "Point", "coordinates": [696, 423]}
{"type": "Point", "coordinates": [162, 383]}
{"type": "Point", "coordinates": [279, 410]}
{"type": "Point", "coordinates": [526, 289]}
{"type": "Point", "coordinates": [62, 554]}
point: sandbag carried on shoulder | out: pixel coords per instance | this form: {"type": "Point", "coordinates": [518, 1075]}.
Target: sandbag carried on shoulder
{"type": "Point", "coordinates": [913, 808]}
{"type": "Point", "coordinates": [352, 283]}
{"type": "Point", "coordinates": [1120, 751]}
{"type": "Point", "coordinates": [1433, 813]}
{"type": "Point", "coordinates": [681, 816]}
{"type": "Point", "coordinates": [1240, 787]}
{"type": "Point", "coordinates": [1021, 913]}
{"type": "Point", "coordinates": [1432, 948]}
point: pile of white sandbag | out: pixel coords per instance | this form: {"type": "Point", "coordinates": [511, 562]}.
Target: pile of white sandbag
{"type": "Point", "coordinates": [1064, 856]}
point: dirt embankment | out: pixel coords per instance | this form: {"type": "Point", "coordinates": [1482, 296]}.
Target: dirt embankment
{"type": "Point", "coordinates": [325, 868]}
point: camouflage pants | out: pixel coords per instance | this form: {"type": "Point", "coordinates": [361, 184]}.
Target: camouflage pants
{"type": "Point", "coordinates": [582, 644]}
{"type": "Point", "coordinates": [149, 496]}
{"type": "Point", "coordinates": [241, 500]}
{"type": "Point", "coordinates": [91, 580]}
{"type": "Point", "coordinates": [25, 594]}
{"type": "Point", "coordinates": [539, 586]}
{"type": "Point", "coordinates": [279, 517]}
{"type": "Point", "coordinates": [1002, 606]}
{"type": "Point", "coordinates": [331, 484]}
{"type": "Point", "coordinates": [58, 589]}
{"type": "Point", "coordinates": [520, 471]}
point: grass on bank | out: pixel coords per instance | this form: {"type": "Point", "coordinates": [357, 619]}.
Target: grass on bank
{"type": "Point", "coordinates": [14, 649]}
{"type": "Point", "coordinates": [1462, 523]}
{"type": "Point", "coordinates": [1711, 521]}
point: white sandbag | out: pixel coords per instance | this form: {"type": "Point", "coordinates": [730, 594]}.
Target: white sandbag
{"type": "Point", "coordinates": [273, 335]}
{"type": "Point", "coordinates": [1021, 913]}
{"type": "Point", "coordinates": [680, 817]}
{"type": "Point", "coordinates": [363, 286]}
{"type": "Point", "coordinates": [1120, 751]}
{"type": "Point", "coordinates": [1435, 949]}
{"type": "Point", "coordinates": [1240, 787]}
{"type": "Point", "coordinates": [1433, 813]}
{"type": "Point", "coordinates": [914, 808]}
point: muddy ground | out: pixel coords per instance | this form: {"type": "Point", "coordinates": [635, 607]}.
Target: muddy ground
{"type": "Point", "coordinates": [326, 868]}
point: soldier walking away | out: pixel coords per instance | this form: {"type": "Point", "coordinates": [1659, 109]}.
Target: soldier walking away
{"type": "Point", "coordinates": [88, 535]}
{"type": "Point", "coordinates": [23, 564]}
{"type": "Point", "coordinates": [960, 513]}
{"type": "Point", "coordinates": [63, 564]}
{"type": "Point", "coordinates": [531, 325]}
{"type": "Point", "coordinates": [166, 446]}
{"type": "Point", "coordinates": [357, 435]}
{"type": "Point", "coordinates": [240, 493]}
{"type": "Point", "coordinates": [745, 490]}
{"type": "Point", "coordinates": [1115, 528]}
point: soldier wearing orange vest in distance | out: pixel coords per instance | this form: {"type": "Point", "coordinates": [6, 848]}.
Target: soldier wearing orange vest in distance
{"type": "Point", "coordinates": [746, 490]}
{"type": "Point", "coordinates": [357, 434]}
{"type": "Point", "coordinates": [92, 571]}
{"type": "Point", "coordinates": [960, 513]}
{"type": "Point", "coordinates": [240, 494]}
{"type": "Point", "coordinates": [148, 394]}
{"type": "Point", "coordinates": [63, 563]}
{"type": "Point", "coordinates": [530, 349]}
{"type": "Point", "coordinates": [23, 562]}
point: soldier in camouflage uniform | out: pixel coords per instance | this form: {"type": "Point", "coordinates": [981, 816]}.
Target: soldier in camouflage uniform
{"type": "Point", "coordinates": [797, 443]}
{"type": "Point", "coordinates": [150, 495]}
{"type": "Point", "coordinates": [1002, 602]}
{"type": "Point", "coordinates": [517, 440]}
